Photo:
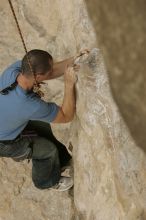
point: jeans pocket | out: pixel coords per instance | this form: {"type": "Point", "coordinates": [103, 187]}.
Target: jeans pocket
{"type": "Point", "coordinates": [18, 149]}
{"type": "Point", "coordinates": [5, 150]}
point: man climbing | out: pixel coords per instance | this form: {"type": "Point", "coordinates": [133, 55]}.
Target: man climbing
{"type": "Point", "coordinates": [25, 131]}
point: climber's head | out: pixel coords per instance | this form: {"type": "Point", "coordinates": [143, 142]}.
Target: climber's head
{"type": "Point", "coordinates": [41, 63]}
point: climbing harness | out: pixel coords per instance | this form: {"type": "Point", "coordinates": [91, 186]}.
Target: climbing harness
{"type": "Point", "coordinates": [36, 87]}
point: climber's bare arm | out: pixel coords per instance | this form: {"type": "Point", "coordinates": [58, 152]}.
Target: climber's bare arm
{"type": "Point", "coordinates": [59, 67]}
{"type": "Point", "coordinates": [67, 110]}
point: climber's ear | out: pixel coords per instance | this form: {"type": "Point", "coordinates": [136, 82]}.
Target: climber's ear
{"type": "Point", "coordinates": [42, 77]}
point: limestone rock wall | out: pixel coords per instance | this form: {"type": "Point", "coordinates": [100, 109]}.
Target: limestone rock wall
{"type": "Point", "coordinates": [109, 169]}
{"type": "Point", "coordinates": [120, 29]}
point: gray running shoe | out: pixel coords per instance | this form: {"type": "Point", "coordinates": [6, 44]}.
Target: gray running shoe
{"type": "Point", "coordinates": [66, 171]}
{"type": "Point", "coordinates": [64, 184]}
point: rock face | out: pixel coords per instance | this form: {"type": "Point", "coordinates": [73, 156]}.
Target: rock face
{"type": "Point", "coordinates": [120, 30]}
{"type": "Point", "coordinates": [109, 169]}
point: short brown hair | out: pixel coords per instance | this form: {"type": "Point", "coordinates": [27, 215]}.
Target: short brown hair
{"type": "Point", "coordinates": [39, 60]}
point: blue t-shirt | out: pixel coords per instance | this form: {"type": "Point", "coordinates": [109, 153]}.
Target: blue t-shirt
{"type": "Point", "coordinates": [19, 106]}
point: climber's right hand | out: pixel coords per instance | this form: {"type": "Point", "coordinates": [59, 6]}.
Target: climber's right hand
{"type": "Point", "coordinates": [70, 76]}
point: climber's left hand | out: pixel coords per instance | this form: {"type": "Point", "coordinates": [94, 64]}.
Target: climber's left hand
{"type": "Point", "coordinates": [82, 52]}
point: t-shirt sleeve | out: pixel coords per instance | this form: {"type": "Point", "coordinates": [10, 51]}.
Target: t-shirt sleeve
{"type": "Point", "coordinates": [9, 75]}
{"type": "Point", "coordinates": [45, 111]}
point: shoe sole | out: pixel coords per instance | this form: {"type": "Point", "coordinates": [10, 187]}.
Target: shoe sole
{"type": "Point", "coordinates": [62, 190]}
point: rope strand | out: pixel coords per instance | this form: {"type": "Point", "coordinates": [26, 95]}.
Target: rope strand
{"type": "Point", "coordinates": [36, 86]}
{"type": "Point", "coordinates": [12, 9]}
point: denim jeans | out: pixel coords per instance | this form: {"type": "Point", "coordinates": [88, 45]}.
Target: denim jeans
{"type": "Point", "coordinates": [47, 153]}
